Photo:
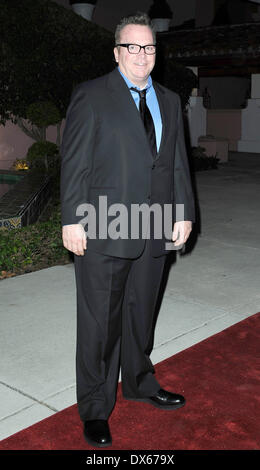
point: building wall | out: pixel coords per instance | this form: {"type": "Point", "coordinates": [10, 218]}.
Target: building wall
{"type": "Point", "coordinates": [226, 92]}
{"type": "Point", "coordinates": [239, 11]}
{"type": "Point", "coordinates": [225, 124]}
{"type": "Point", "coordinates": [14, 143]}
{"type": "Point", "coordinates": [204, 12]}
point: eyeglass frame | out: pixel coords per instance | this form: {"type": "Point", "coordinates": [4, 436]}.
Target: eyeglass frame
{"type": "Point", "coordinates": [140, 47]}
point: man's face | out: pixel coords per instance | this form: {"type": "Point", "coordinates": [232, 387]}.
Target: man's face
{"type": "Point", "coordinates": [136, 67]}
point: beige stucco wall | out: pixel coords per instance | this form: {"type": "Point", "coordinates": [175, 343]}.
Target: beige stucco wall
{"type": "Point", "coordinates": [225, 123]}
{"type": "Point", "coordinates": [14, 143]}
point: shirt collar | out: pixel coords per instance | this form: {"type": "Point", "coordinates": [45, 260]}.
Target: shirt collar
{"type": "Point", "coordinates": [130, 84]}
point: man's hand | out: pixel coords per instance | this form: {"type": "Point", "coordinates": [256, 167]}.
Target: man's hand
{"type": "Point", "coordinates": [181, 232]}
{"type": "Point", "coordinates": [74, 238]}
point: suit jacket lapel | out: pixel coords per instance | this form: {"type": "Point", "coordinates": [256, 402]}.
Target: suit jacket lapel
{"type": "Point", "coordinates": [165, 114]}
{"type": "Point", "coordinates": [122, 96]}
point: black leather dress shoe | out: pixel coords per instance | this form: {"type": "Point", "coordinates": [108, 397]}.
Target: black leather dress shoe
{"type": "Point", "coordinates": [167, 400]}
{"type": "Point", "coordinates": [97, 433]}
{"type": "Point", "coordinates": [164, 400]}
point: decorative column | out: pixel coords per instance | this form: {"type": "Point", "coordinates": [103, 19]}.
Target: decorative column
{"type": "Point", "coordinates": [83, 8]}
{"type": "Point", "coordinates": [197, 115]}
{"type": "Point", "coordinates": [250, 119]}
{"type": "Point", "coordinates": [161, 15]}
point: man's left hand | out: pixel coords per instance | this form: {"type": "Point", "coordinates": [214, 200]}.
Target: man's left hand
{"type": "Point", "coordinates": [181, 232]}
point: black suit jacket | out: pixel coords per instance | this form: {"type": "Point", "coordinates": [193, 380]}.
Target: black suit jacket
{"type": "Point", "coordinates": [105, 151]}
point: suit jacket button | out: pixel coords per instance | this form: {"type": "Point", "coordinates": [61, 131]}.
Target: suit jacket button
{"type": "Point", "coordinates": [149, 197]}
{"type": "Point", "coordinates": [153, 166]}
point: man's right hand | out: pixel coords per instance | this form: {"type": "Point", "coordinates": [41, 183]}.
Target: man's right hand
{"type": "Point", "coordinates": [74, 238]}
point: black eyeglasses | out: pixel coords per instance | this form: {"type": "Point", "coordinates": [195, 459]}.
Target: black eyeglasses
{"type": "Point", "coordinates": [135, 48]}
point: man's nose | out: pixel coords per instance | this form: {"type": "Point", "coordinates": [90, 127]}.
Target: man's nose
{"type": "Point", "coordinates": [142, 51]}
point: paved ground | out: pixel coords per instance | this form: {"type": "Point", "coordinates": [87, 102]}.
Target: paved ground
{"type": "Point", "coordinates": [215, 285]}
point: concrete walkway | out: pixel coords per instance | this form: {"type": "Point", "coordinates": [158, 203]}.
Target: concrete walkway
{"type": "Point", "coordinates": [214, 286]}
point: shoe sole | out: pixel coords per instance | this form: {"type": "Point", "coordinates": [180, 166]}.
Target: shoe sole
{"type": "Point", "coordinates": [157, 405]}
{"type": "Point", "coordinates": [95, 443]}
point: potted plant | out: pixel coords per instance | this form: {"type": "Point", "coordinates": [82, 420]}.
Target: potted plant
{"type": "Point", "coordinates": [160, 14]}
{"type": "Point", "coordinates": [84, 8]}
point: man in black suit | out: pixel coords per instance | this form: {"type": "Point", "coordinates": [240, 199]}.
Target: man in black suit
{"type": "Point", "coordinates": [122, 145]}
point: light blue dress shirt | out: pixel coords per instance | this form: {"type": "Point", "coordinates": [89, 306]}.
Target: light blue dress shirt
{"type": "Point", "coordinates": [152, 103]}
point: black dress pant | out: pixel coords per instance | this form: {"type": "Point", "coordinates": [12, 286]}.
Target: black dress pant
{"type": "Point", "coordinates": [116, 300]}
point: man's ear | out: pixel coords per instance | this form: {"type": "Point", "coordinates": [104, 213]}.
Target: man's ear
{"type": "Point", "coordinates": [116, 54]}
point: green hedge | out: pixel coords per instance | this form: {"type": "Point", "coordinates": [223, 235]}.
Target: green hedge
{"type": "Point", "coordinates": [33, 247]}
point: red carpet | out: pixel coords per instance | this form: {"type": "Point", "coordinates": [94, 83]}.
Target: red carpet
{"type": "Point", "coordinates": [220, 379]}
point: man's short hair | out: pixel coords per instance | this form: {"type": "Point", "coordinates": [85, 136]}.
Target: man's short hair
{"type": "Point", "coordinates": [138, 18]}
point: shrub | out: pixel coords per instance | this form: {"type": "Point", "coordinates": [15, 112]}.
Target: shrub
{"type": "Point", "coordinates": [202, 161]}
{"type": "Point", "coordinates": [33, 247]}
{"type": "Point", "coordinates": [43, 155]}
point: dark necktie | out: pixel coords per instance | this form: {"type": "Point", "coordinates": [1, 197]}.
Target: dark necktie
{"type": "Point", "coordinates": [147, 120]}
